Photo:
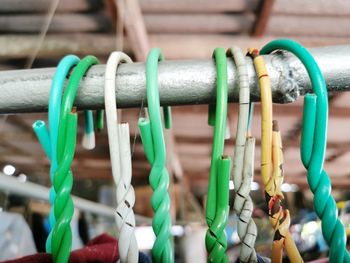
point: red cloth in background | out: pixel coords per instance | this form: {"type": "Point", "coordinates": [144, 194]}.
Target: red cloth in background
{"type": "Point", "coordinates": [102, 248]}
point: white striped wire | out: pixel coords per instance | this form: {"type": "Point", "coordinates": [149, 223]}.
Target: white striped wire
{"type": "Point", "coordinates": [119, 147]}
{"type": "Point", "coordinates": [243, 164]}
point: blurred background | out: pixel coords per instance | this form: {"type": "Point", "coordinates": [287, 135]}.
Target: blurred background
{"type": "Point", "coordinates": [38, 33]}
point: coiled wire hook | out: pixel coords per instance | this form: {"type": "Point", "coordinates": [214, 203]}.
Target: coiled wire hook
{"type": "Point", "coordinates": [217, 206]}
{"type": "Point", "coordinates": [313, 147]}
{"type": "Point", "coordinates": [63, 178]}
{"type": "Point", "coordinates": [48, 140]}
{"type": "Point", "coordinates": [243, 164]}
{"type": "Point", "coordinates": [271, 168]}
{"type": "Point", "coordinates": [154, 146]}
{"type": "Point", "coordinates": [119, 147]}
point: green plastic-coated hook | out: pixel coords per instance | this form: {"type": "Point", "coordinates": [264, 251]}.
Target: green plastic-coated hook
{"type": "Point", "coordinates": [211, 114]}
{"type": "Point", "coordinates": [313, 147]}
{"type": "Point", "coordinates": [154, 145]}
{"type": "Point", "coordinates": [146, 138]}
{"type": "Point", "coordinates": [99, 119]}
{"type": "Point", "coordinates": [251, 112]}
{"type": "Point", "coordinates": [218, 192]}
{"type": "Point", "coordinates": [50, 138]}
{"type": "Point", "coordinates": [215, 239]}
{"type": "Point", "coordinates": [219, 129]}
{"type": "Point", "coordinates": [64, 208]}
{"type": "Point", "coordinates": [63, 178]}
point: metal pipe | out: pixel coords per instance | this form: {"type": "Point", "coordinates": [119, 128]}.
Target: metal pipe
{"type": "Point", "coordinates": [12, 185]}
{"type": "Point", "coordinates": [180, 82]}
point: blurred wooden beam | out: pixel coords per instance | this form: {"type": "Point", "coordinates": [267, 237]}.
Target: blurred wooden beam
{"type": "Point", "coordinates": [170, 43]}
{"type": "Point", "coordinates": [61, 23]}
{"type": "Point", "coordinates": [136, 30]}
{"type": "Point", "coordinates": [263, 17]}
{"type": "Point", "coordinates": [320, 26]}
{"type": "Point", "coordinates": [310, 8]}
{"type": "Point", "coordinates": [19, 122]}
{"type": "Point", "coordinates": [339, 153]}
{"type": "Point", "coordinates": [198, 6]}
{"type": "Point", "coordinates": [148, 6]}
{"type": "Point", "coordinates": [58, 45]}
{"type": "Point", "coordinates": [199, 23]}
{"type": "Point", "coordinates": [41, 6]}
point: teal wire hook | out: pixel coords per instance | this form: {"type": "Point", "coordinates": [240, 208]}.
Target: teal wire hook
{"type": "Point", "coordinates": [313, 147]}
{"type": "Point", "coordinates": [49, 140]}
{"type": "Point", "coordinates": [154, 146]}
{"type": "Point", "coordinates": [63, 178]}
{"type": "Point", "coordinates": [217, 208]}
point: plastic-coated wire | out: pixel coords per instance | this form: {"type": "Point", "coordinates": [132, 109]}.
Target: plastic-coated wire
{"type": "Point", "coordinates": [64, 208]}
{"type": "Point", "coordinates": [215, 238]}
{"type": "Point", "coordinates": [128, 249]}
{"type": "Point", "coordinates": [266, 115]}
{"type": "Point", "coordinates": [88, 141]}
{"type": "Point", "coordinates": [153, 141]}
{"type": "Point", "coordinates": [279, 218]}
{"type": "Point", "coordinates": [99, 120]}
{"type": "Point", "coordinates": [43, 136]}
{"type": "Point", "coordinates": [49, 140]}
{"type": "Point", "coordinates": [313, 147]}
{"type": "Point", "coordinates": [119, 147]}
{"type": "Point", "coordinates": [217, 206]}
{"type": "Point", "coordinates": [242, 177]}
{"type": "Point", "coordinates": [63, 179]}
{"type": "Point", "coordinates": [89, 134]}
{"type": "Point", "coordinates": [251, 112]}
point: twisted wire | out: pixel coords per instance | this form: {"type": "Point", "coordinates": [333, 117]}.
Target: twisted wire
{"type": "Point", "coordinates": [119, 145]}
{"type": "Point", "coordinates": [247, 230]}
{"type": "Point", "coordinates": [63, 182]}
{"type": "Point", "coordinates": [126, 200]}
{"type": "Point", "coordinates": [215, 238]}
{"type": "Point", "coordinates": [217, 200]}
{"type": "Point", "coordinates": [243, 164]}
{"type": "Point", "coordinates": [47, 139]}
{"type": "Point", "coordinates": [63, 179]}
{"type": "Point", "coordinates": [152, 134]}
{"type": "Point", "coordinates": [313, 147]}
{"type": "Point", "coordinates": [324, 203]}
{"type": "Point", "coordinates": [279, 217]}
{"type": "Point", "coordinates": [159, 181]}
{"type": "Point", "coordinates": [272, 170]}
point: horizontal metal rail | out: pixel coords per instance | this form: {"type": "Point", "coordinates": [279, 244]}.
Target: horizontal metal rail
{"type": "Point", "coordinates": [186, 82]}
{"type": "Point", "coordinates": [12, 185]}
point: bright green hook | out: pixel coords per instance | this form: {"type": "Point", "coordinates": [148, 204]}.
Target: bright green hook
{"type": "Point", "coordinates": [313, 147]}
{"type": "Point", "coordinates": [63, 179]}
{"type": "Point", "coordinates": [154, 145]}
{"type": "Point", "coordinates": [218, 188]}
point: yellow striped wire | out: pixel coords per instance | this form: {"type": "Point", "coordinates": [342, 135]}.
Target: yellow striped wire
{"type": "Point", "coordinates": [271, 168]}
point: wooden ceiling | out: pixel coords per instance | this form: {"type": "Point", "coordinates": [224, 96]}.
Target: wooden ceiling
{"type": "Point", "coordinates": [182, 29]}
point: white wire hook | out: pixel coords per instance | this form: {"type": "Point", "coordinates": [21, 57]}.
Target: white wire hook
{"type": "Point", "coordinates": [243, 164]}
{"type": "Point", "coordinates": [119, 147]}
